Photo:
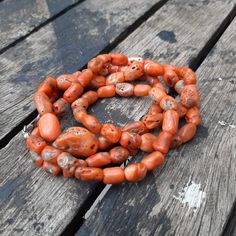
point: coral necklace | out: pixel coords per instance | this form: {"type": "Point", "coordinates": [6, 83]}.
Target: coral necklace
{"type": "Point", "coordinates": [84, 152]}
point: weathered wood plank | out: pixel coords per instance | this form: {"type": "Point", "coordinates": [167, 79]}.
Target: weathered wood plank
{"type": "Point", "coordinates": [195, 190]}
{"type": "Point", "coordinates": [62, 46]}
{"type": "Point", "coordinates": [18, 18]}
{"type": "Point", "coordinates": [31, 201]}
{"type": "Point", "coordinates": [59, 220]}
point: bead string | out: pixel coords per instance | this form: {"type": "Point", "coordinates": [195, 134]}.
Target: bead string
{"type": "Point", "coordinates": [75, 151]}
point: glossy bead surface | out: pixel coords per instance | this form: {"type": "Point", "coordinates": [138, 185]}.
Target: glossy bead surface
{"type": "Point", "coordinates": [115, 78]}
{"type": "Point", "coordinates": [35, 143]}
{"type": "Point", "coordinates": [141, 90]}
{"type": "Point", "coordinates": [50, 154]}
{"type": "Point", "coordinates": [135, 172]}
{"type": "Point", "coordinates": [188, 75]}
{"type": "Point", "coordinates": [78, 141]}
{"type": "Point", "coordinates": [73, 92]}
{"type": "Point", "coordinates": [85, 77]}
{"type": "Point", "coordinates": [107, 91]}
{"type": "Point", "coordinates": [153, 69]}
{"type": "Point", "coordinates": [170, 78]}
{"type": "Point", "coordinates": [49, 127]}
{"type": "Point", "coordinates": [113, 175]}
{"type": "Point", "coordinates": [187, 132]}
{"type": "Point", "coordinates": [91, 97]}
{"type": "Point", "coordinates": [59, 106]}
{"type": "Point", "coordinates": [104, 143]}
{"type": "Point", "coordinates": [119, 59]}
{"type": "Point", "coordinates": [91, 123]}
{"type": "Point", "coordinates": [153, 160]}
{"type": "Point", "coordinates": [99, 159]}
{"type": "Point", "coordinates": [96, 65]}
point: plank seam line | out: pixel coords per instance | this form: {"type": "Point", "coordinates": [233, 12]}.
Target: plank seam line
{"type": "Point", "coordinates": [194, 64]}
{"type": "Point", "coordinates": [122, 36]}
{"type": "Point", "coordinates": [38, 27]}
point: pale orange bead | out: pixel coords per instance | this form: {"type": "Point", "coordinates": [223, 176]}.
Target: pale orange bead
{"type": "Point", "coordinates": [106, 91]}
{"type": "Point", "coordinates": [73, 92]}
{"type": "Point", "coordinates": [141, 90]}
{"type": "Point", "coordinates": [168, 103]}
{"type": "Point", "coordinates": [49, 127]}
{"type": "Point", "coordinates": [91, 97]}
{"type": "Point", "coordinates": [119, 59]}
{"type": "Point", "coordinates": [42, 103]}
{"type": "Point", "coordinates": [157, 94]}
{"type": "Point", "coordinates": [119, 154]}
{"type": "Point", "coordinates": [153, 160]}
{"type": "Point", "coordinates": [99, 159]}
{"type": "Point", "coordinates": [162, 143]}
{"type": "Point", "coordinates": [153, 69]}
{"type": "Point", "coordinates": [113, 175]}
{"type": "Point", "coordinates": [111, 132]}
{"type": "Point", "coordinates": [187, 132]}
{"type": "Point", "coordinates": [135, 172]}
{"type": "Point", "coordinates": [89, 173]}
{"type": "Point", "coordinates": [147, 142]}
{"type": "Point", "coordinates": [115, 78]}
{"type": "Point", "coordinates": [125, 89]}
{"type": "Point", "coordinates": [85, 77]}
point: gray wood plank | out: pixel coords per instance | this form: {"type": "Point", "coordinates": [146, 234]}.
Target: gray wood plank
{"type": "Point", "coordinates": [20, 17]}
{"type": "Point", "coordinates": [62, 46]}
{"type": "Point", "coordinates": [35, 205]}
{"type": "Point", "coordinates": [31, 201]}
{"type": "Point", "coordinates": [194, 192]}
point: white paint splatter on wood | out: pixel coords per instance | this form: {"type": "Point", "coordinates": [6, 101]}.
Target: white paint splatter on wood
{"type": "Point", "coordinates": [192, 195]}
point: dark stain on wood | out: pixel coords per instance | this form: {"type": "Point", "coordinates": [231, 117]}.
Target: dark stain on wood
{"type": "Point", "coordinates": [168, 36]}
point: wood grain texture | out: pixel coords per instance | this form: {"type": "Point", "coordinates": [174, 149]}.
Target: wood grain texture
{"type": "Point", "coordinates": [193, 193]}
{"type": "Point", "coordinates": [18, 18]}
{"type": "Point", "coordinates": [62, 46]}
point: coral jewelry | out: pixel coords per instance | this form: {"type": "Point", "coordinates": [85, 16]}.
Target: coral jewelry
{"type": "Point", "coordinates": [82, 152]}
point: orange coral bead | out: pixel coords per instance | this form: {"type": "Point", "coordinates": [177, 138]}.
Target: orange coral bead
{"type": "Point", "coordinates": [50, 154]}
{"type": "Point", "coordinates": [119, 154]}
{"type": "Point", "coordinates": [193, 116]}
{"type": "Point", "coordinates": [78, 141]}
{"type": "Point", "coordinates": [135, 172]}
{"type": "Point", "coordinates": [113, 175]}
{"type": "Point", "coordinates": [89, 173]}
{"type": "Point", "coordinates": [73, 92]}
{"type": "Point", "coordinates": [106, 91]}
{"type": "Point", "coordinates": [85, 77]}
{"type": "Point", "coordinates": [130, 140]}
{"type": "Point", "coordinates": [141, 90]}
{"type": "Point", "coordinates": [125, 89]}
{"type": "Point", "coordinates": [99, 159]}
{"type": "Point", "coordinates": [170, 121]}
{"type": "Point", "coordinates": [47, 86]}
{"type": "Point", "coordinates": [153, 69]}
{"type": "Point", "coordinates": [49, 127]}
{"type": "Point", "coordinates": [35, 143]}
{"type": "Point", "coordinates": [157, 94]}
{"type": "Point", "coordinates": [188, 75]}
{"type": "Point", "coordinates": [154, 109]}
{"type": "Point", "coordinates": [187, 132]}
{"type": "Point", "coordinates": [162, 143]}
{"type": "Point", "coordinates": [59, 106]}
{"type": "Point", "coordinates": [96, 65]}
{"type": "Point", "coordinates": [170, 78]}
{"type": "Point", "coordinates": [91, 123]}
{"type": "Point", "coordinates": [97, 82]}
{"type": "Point", "coordinates": [81, 103]}
{"type": "Point", "coordinates": [65, 81]}
{"type": "Point", "coordinates": [115, 78]}
{"type": "Point", "coordinates": [119, 59]}
{"type": "Point", "coordinates": [37, 159]}
{"type": "Point", "coordinates": [54, 170]}
{"type": "Point", "coordinates": [91, 97]}
{"type": "Point", "coordinates": [153, 160]}
{"type": "Point", "coordinates": [190, 96]}
{"type": "Point", "coordinates": [137, 127]}
{"type": "Point", "coordinates": [168, 103]}
{"type": "Point", "coordinates": [104, 143]}
{"type": "Point", "coordinates": [42, 103]}
{"type": "Point", "coordinates": [111, 132]}
{"type": "Point", "coordinates": [147, 142]}
{"type": "Point", "coordinates": [153, 121]}
{"type": "Point", "coordinates": [133, 71]}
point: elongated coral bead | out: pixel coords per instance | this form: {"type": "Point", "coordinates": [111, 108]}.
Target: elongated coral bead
{"type": "Point", "coordinates": [49, 127]}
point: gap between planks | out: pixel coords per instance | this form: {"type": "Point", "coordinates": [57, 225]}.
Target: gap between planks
{"type": "Point", "coordinates": [37, 28]}
{"type": "Point", "coordinates": [194, 64]}
{"type": "Point", "coordinates": [122, 36]}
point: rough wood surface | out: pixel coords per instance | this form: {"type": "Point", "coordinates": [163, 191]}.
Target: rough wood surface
{"type": "Point", "coordinates": [62, 46]}
{"type": "Point", "coordinates": [194, 192]}
{"type": "Point", "coordinates": [19, 17]}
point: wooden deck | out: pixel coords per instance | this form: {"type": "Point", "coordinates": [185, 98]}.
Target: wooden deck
{"type": "Point", "coordinates": [194, 193]}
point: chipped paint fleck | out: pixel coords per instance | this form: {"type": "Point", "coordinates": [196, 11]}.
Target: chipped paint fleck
{"type": "Point", "coordinates": [191, 195]}
{"type": "Point", "coordinates": [223, 123]}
